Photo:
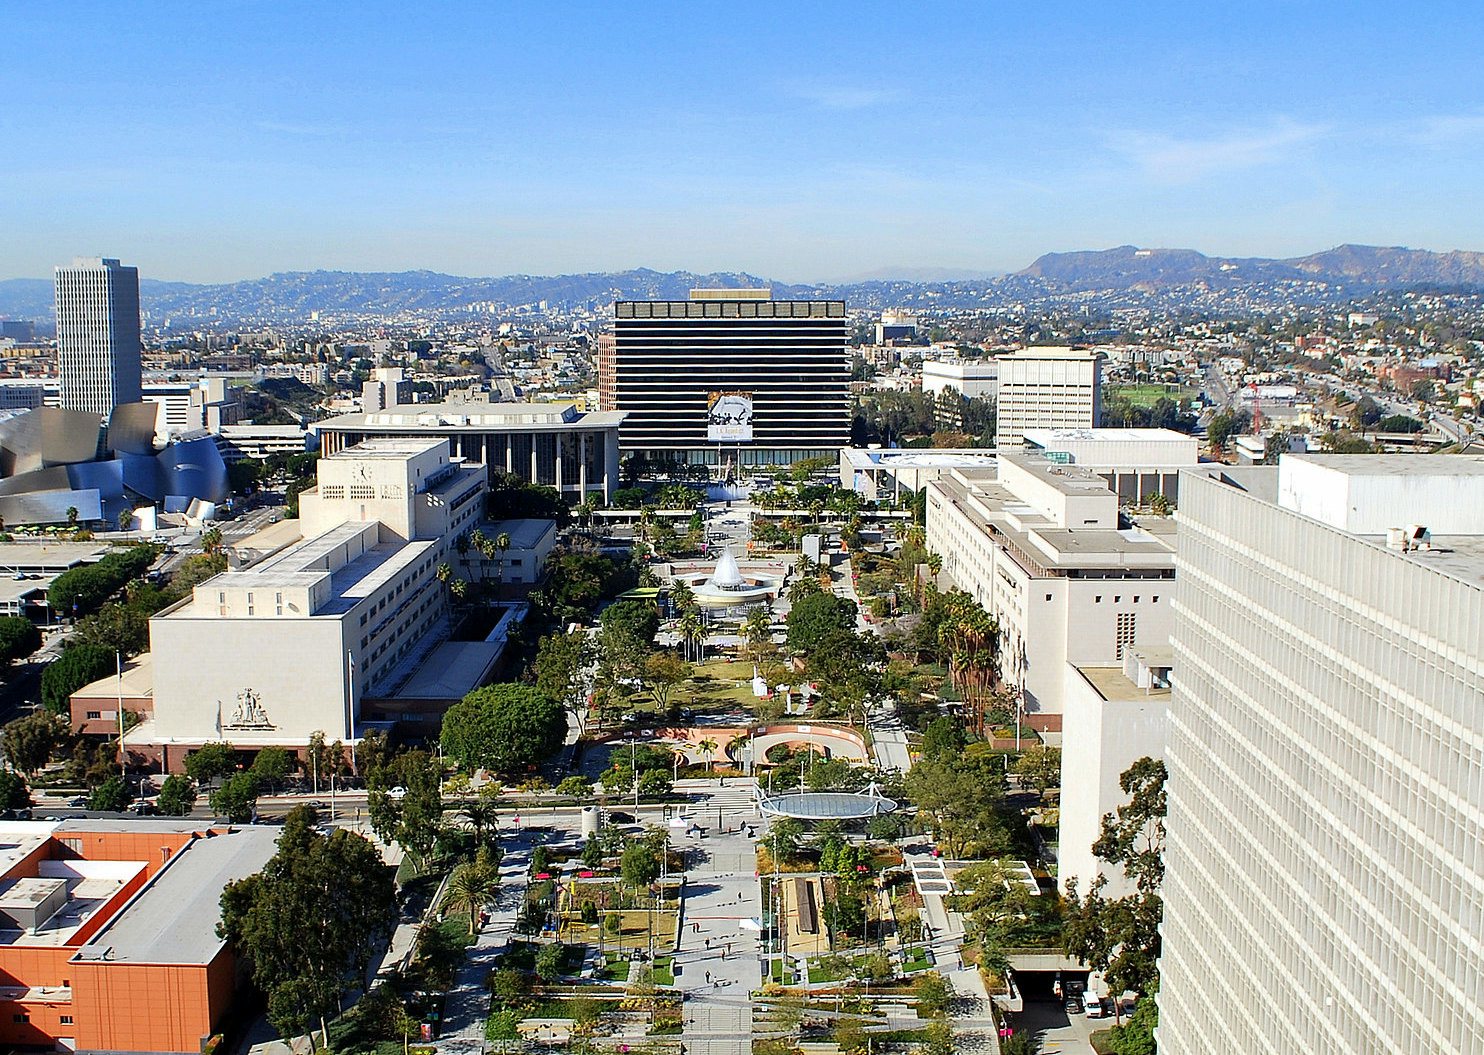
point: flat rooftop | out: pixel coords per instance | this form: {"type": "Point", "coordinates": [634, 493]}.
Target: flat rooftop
{"type": "Point", "coordinates": [173, 919]}
{"type": "Point", "coordinates": [1068, 479]}
{"type": "Point", "coordinates": [1102, 435]}
{"type": "Point", "coordinates": [524, 533]}
{"type": "Point", "coordinates": [390, 448]}
{"type": "Point", "coordinates": [416, 417]}
{"type": "Point", "coordinates": [303, 565]}
{"type": "Point", "coordinates": [455, 669]}
{"type": "Point", "coordinates": [1421, 465]}
{"type": "Point", "coordinates": [54, 555]}
{"type": "Point", "coordinates": [1115, 687]}
{"type": "Point", "coordinates": [941, 458]}
{"type": "Point", "coordinates": [1051, 352]}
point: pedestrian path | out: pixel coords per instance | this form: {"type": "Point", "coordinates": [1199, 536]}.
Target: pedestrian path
{"type": "Point", "coordinates": [718, 953]}
{"type": "Point", "coordinates": [468, 1003]}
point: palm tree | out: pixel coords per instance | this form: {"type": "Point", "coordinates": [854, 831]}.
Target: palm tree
{"type": "Point", "coordinates": [693, 634]}
{"type": "Point", "coordinates": [682, 597]}
{"type": "Point", "coordinates": [500, 545]}
{"type": "Point", "coordinates": [758, 629]}
{"type": "Point", "coordinates": [479, 544]}
{"type": "Point", "coordinates": [471, 886]}
{"type": "Point", "coordinates": [211, 542]}
{"type": "Point", "coordinates": [459, 589]}
{"type": "Point", "coordinates": [707, 747]}
{"type": "Point", "coordinates": [72, 516]}
{"type": "Point", "coordinates": [481, 814]}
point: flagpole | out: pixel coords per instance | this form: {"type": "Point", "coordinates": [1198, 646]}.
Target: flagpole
{"type": "Point", "coordinates": [118, 660]}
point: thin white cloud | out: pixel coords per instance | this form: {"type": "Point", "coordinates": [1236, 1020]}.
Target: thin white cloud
{"type": "Point", "coordinates": [842, 96]}
{"type": "Point", "coordinates": [1185, 159]}
{"type": "Point", "coordinates": [297, 128]}
{"type": "Point", "coordinates": [1448, 130]}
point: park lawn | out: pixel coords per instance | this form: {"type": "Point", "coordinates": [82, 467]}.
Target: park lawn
{"type": "Point", "coordinates": [615, 971]}
{"type": "Point", "coordinates": [1148, 395]}
{"type": "Point", "coordinates": [917, 962]}
{"type": "Point", "coordinates": [827, 972]}
{"type": "Point", "coordinates": [719, 685]}
{"type": "Point", "coordinates": [664, 970]}
{"type": "Point", "coordinates": [783, 972]}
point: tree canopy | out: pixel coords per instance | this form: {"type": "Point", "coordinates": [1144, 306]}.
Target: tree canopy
{"type": "Point", "coordinates": [1120, 936]}
{"type": "Point", "coordinates": [815, 618]}
{"type": "Point", "coordinates": [83, 589]}
{"type": "Point", "coordinates": [308, 923]}
{"type": "Point", "coordinates": [18, 638]}
{"type": "Point", "coordinates": [503, 728]}
{"type": "Point", "coordinates": [75, 667]}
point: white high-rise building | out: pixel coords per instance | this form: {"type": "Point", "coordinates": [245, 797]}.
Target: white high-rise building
{"type": "Point", "coordinates": [1047, 388]}
{"type": "Point", "coordinates": [98, 335]}
{"type": "Point", "coordinates": [1324, 887]}
{"type": "Point", "coordinates": [1046, 551]}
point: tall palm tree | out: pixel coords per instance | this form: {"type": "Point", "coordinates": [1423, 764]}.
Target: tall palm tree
{"type": "Point", "coordinates": [482, 814]}
{"type": "Point", "coordinates": [682, 597]}
{"type": "Point", "coordinates": [470, 888]}
{"type": "Point", "coordinates": [758, 630]}
{"type": "Point", "coordinates": [501, 544]}
{"type": "Point", "coordinates": [693, 633]}
{"type": "Point", "coordinates": [708, 747]}
{"type": "Point", "coordinates": [479, 544]}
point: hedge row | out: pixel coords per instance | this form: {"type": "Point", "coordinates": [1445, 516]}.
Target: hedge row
{"type": "Point", "coordinates": [83, 590]}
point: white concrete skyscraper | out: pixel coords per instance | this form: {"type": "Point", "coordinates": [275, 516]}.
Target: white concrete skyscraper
{"type": "Point", "coordinates": [98, 335]}
{"type": "Point", "coordinates": [1047, 388]}
{"type": "Point", "coordinates": [1324, 887]}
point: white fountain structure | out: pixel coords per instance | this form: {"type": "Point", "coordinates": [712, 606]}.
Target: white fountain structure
{"type": "Point", "coordinates": [727, 587]}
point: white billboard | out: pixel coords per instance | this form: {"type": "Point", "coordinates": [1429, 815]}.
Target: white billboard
{"type": "Point", "coordinates": [729, 417]}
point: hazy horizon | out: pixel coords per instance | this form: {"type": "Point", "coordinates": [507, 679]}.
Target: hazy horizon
{"type": "Point", "coordinates": [235, 141]}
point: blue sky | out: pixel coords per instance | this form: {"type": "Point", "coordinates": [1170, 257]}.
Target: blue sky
{"type": "Point", "coordinates": [215, 141]}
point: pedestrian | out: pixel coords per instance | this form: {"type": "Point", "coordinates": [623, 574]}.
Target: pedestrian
{"type": "Point", "coordinates": [708, 943]}
{"type": "Point", "coordinates": [723, 954]}
{"type": "Point", "coordinates": [708, 977]}
{"type": "Point", "coordinates": [697, 927]}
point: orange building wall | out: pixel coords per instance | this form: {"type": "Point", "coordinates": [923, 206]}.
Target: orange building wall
{"type": "Point", "coordinates": [151, 848]}
{"type": "Point", "coordinates": [114, 1006]}
{"type": "Point", "coordinates": [44, 1022]}
{"type": "Point", "coordinates": [138, 1007]}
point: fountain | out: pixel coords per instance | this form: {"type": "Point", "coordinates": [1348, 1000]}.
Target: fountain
{"type": "Point", "coordinates": [725, 586]}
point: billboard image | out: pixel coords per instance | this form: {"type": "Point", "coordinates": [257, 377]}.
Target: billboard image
{"type": "Point", "coordinates": [729, 417]}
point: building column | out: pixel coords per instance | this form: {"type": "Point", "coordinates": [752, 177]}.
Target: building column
{"type": "Point", "coordinates": [557, 459]}
{"type": "Point", "coordinates": [509, 454]}
{"type": "Point", "coordinates": [582, 465]}
{"type": "Point", "coordinates": [535, 450]}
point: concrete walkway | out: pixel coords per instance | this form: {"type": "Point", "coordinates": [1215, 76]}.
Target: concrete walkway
{"type": "Point", "coordinates": [717, 962]}
{"type": "Point", "coordinates": [468, 1003]}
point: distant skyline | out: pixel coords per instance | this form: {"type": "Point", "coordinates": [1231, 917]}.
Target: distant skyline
{"type": "Point", "coordinates": [209, 143]}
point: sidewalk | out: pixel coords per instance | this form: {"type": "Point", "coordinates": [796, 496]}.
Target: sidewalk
{"type": "Point", "coordinates": [468, 1003]}
{"type": "Point", "coordinates": [720, 893]}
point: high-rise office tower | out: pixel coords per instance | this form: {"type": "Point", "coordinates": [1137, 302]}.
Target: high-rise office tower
{"type": "Point", "coordinates": [1324, 888]}
{"type": "Point", "coordinates": [728, 375]}
{"type": "Point", "coordinates": [98, 335]}
{"type": "Point", "coordinates": [1046, 388]}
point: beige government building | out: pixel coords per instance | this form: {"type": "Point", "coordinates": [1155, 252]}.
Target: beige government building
{"type": "Point", "coordinates": [320, 636]}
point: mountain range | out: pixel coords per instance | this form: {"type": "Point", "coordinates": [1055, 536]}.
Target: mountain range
{"type": "Point", "coordinates": [292, 296]}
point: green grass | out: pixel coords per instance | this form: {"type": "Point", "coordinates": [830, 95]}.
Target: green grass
{"type": "Point", "coordinates": [918, 962]}
{"type": "Point", "coordinates": [827, 972]}
{"type": "Point", "coordinates": [1148, 395]}
{"type": "Point", "coordinates": [783, 972]}
{"type": "Point", "coordinates": [615, 971]}
{"type": "Point", "coordinates": [664, 970]}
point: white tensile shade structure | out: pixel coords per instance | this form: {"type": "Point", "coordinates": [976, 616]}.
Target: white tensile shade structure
{"type": "Point", "coordinates": [727, 575]}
